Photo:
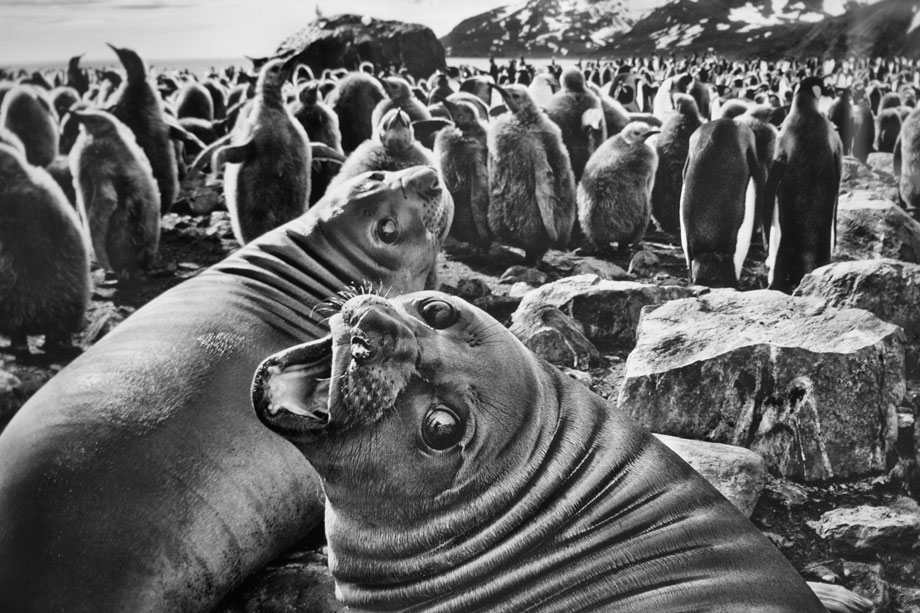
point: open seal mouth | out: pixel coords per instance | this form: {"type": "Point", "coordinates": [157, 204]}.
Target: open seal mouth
{"type": "Point", "coordinates": [352, 376]}
{"type": "Point", "coordinates": [290, 389]}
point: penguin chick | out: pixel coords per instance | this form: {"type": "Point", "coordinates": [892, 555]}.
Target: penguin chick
{"type": "Point", "coordinates": [393, 148]}
{"type": "Point", "coordinates": [672, 147]}
{"type": "Point", "coordinates": [138, 105]}
{"type": "Point", "coordinates": [319, 121]}
{"type": "Point", "coordinates": [399, 95]}
{"type": "Point", "coordinates": [27, 112]}
{"type": "Point", "coordinates": [116, 194]}
{"type": "Point", "coordinates": [614, 196]}
{"type": "Point", "coordinates": [354, 99]}
{"type": "Point", "coordinates": [194, 100]}
{"type": "Point", "coordinates": [531, 184]}
{"type": "Point", "coordinates": [567, 108]}
{"type": "Point", "coordinates": [462, 157]}
{"type": "Point", "coordinates": [44, 256]}
{"type": "Point", "coordinates": [267, 178]}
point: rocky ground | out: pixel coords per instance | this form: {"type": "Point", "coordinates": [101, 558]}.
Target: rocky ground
{"type": "Point", "coordinates": [863, 534]}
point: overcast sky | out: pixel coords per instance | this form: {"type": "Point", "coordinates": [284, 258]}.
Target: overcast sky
{"type": "Point", "coordinates": [54, 30]}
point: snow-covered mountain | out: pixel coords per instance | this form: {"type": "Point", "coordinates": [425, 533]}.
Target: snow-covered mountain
{"type": "Point", "coordinates": [766, 28]}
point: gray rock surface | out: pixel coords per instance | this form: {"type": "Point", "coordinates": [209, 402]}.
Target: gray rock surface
{"type": "Point", "coordinates": [872, 528]}
{"type": "Point", "coordinates": [870, 227]}
{"type": "Point", "coordinates": [738, 473]}
{"type": "Point", "coordinates": [813, 389]}
{"type": "Point", "coordinates": [555, 337]}
{"type": "Point", "coordinates": [888, 288]}
{"type": "Point", "coordinates": [608, 310]}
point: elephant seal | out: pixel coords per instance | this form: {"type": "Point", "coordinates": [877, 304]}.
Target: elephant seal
{"type": "Point", "coordinates": [463, 473]}
{"type": "Point", "coordinates": [138, 478]}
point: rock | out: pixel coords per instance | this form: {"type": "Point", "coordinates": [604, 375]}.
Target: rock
{"type": "Point", "coordinates": [499, 307]}
{"type": "Point", "coordinates": [555, 337]}
{"type": "Point", "coordinates": [523, 274]}
{"type": "Point", "coordinates": [520, 289]}
{"type": "Point", "coordinates": [473, 288]}
{"type": "Point", "coordinates": [602, 268]}
{"type": "Point", "coordinates": [344, 41]}
{"type": "Point", "coordinates": [813, 389]}
{"type": "Point", "coordinates": [869, 529]}
{"type": "Point", "coordinates": [838, 598]}
{"type": "Point", "coordinates": [301, 582]}
{"type": "Point", "coordinates": [608, 310]}
{"type": "Point", "coordinates": [869, 227]}
{"type": "Point", "coordinates": [738, 474]}
{"type": "Point", "coordinates": [881, 162]}
{"type": "Point", "coordinates": [11, 396]}
{"type": "Point", "coordinates": [790, 495]}
{"type": "Point", "coordinates": [888, 288]}
{"type": "Point", "coordinates": [643, 264]}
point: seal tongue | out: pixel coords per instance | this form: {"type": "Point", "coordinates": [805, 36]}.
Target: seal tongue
{"type": "Point", "coordinates": [297, 390]}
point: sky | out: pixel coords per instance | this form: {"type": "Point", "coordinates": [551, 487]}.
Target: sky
{"type": "Point", "coordinates": [53, 30]}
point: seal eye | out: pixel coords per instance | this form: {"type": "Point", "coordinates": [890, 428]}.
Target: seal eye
{"type": "Point", "coordinates": [388, 231]}
{"type": "Point", "coordinates": [438, 314]}
{"type": "Point", "coordinates": [441, 428]}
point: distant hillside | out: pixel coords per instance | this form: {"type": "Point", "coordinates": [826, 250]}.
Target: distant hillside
{"type": "Point", "coordinates": [540, 27]}
{"type": "Point", "coordinates": [735, 28]}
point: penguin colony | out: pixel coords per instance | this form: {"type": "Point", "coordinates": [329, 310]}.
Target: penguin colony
{"type": "Point", "coordinates": [535, 159]}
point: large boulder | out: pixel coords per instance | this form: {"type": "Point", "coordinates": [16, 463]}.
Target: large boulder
{"type": "Point", "coordinates": [869, 227]}
{"type": "Point", "coordinates": [608, 310]}
{"type": "Point", "coordinates": [812, 389]}
{"type": "Point", "coordinates": [344, 41]}
{"type": "Point", "coordinates": [738, 473]}
{"type": "Point", "coordinates": [872, 529]}
{"type": "Point", "coordinates": [888, 288]}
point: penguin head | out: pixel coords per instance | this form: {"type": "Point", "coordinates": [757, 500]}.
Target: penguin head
{"type": "Point", "coordinates": [309, 93]}
{"type": "Point", "coordinates": [96, 122]}
{"type": "Point", "coordinates": [134, 65]}
{"type": "Point", "coordinates": [272, 76]}
{"type": "Point", "coordinates": [395, 130]}
{"type": "Point", "coordinates": [463, 113]}
{"type": "Point", "coordinates": [811, 87]}
{"type": "Point", "coordinates": [573, 80]}
{"type": "Point", "coordinates": [637, 131]}
{"type": "Point", "coordinates": [396, 88]}
{"type": "Point", "coordinates": [516, 97]}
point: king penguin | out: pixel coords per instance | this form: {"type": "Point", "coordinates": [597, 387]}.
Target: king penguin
{"type": "Point", "coordinates": [578, 113]}
{"type": "Point", "coordinates": [800, 204]}
{"type": "Point", "coordinates": [722, 179]}
{"type": "Point", "coordinates": [354, 99]}
{"type": "Point", "coordinates": [531, 184]}
{"type": "Point", "coordinates": [672, 147]}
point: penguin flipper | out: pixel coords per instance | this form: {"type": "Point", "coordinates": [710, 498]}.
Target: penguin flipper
{"type": "Point", "coordinates": [479, 202]}
{"type": "Point", "coordinates": [102, 204]}
{"type": "Point", "coordinates": [774, 179]}
{"type": "Point", "coordinates": [544, 193]}
{"type": "Point", "coordinates": [896, 161]}
{"type": "Point", "coordinates": [234, 154]}
{"type": "Point", "coordinates": [322, 151]}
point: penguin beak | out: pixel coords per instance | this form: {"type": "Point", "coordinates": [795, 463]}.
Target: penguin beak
{"type": "Point", "coordinates": [504, 94]}
{"type": "Point", "coordinates": [115, 49]}
{"type": "Point", "coordinates": [650, 133]}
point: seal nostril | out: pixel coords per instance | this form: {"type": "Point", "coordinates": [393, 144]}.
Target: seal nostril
{"type": "Point", "coordinates": [361, 349]}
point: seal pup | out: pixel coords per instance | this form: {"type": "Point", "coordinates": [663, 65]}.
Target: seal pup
{"type": "Point", "coordinates": [907, 161]}
{"type": "Point", "coordinates": [138, 478]}
{"type": "Point", "coordinates": [672, 146]}
{"type": "Point", "coordinates": [463, 473]}
{"type": "Point", "coordinates": [318, 119]}
{"type": "Point", "coordinates": [718, 202]}
{"type": "Point", "coordinates": [394, 148]}
{"type": "Point", "coordinates": [354, 99]}
{"type": "Point", "coordinates": [578, 113]}
{"type": "Point", "coordinates": [399, 95]}
{"type": "Point", "coordinates": [27, 112]}
{"type": "Point", "coordinates": [462, 157]}
{"type": "Point", "coordinates": [116, 194]}
{"type": "Point", "coordinates": [267, 178]}
{"type": "Point", "coordinates": [614, 196]}
{"type": "Point", "coordinates": [44, 256]}
{"type": "Point", "coordinates": [138, 105]}
{"type": "Point", "coordinates": [800, 199]}
{"type": "Point", "coordinates": [531, 184]}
